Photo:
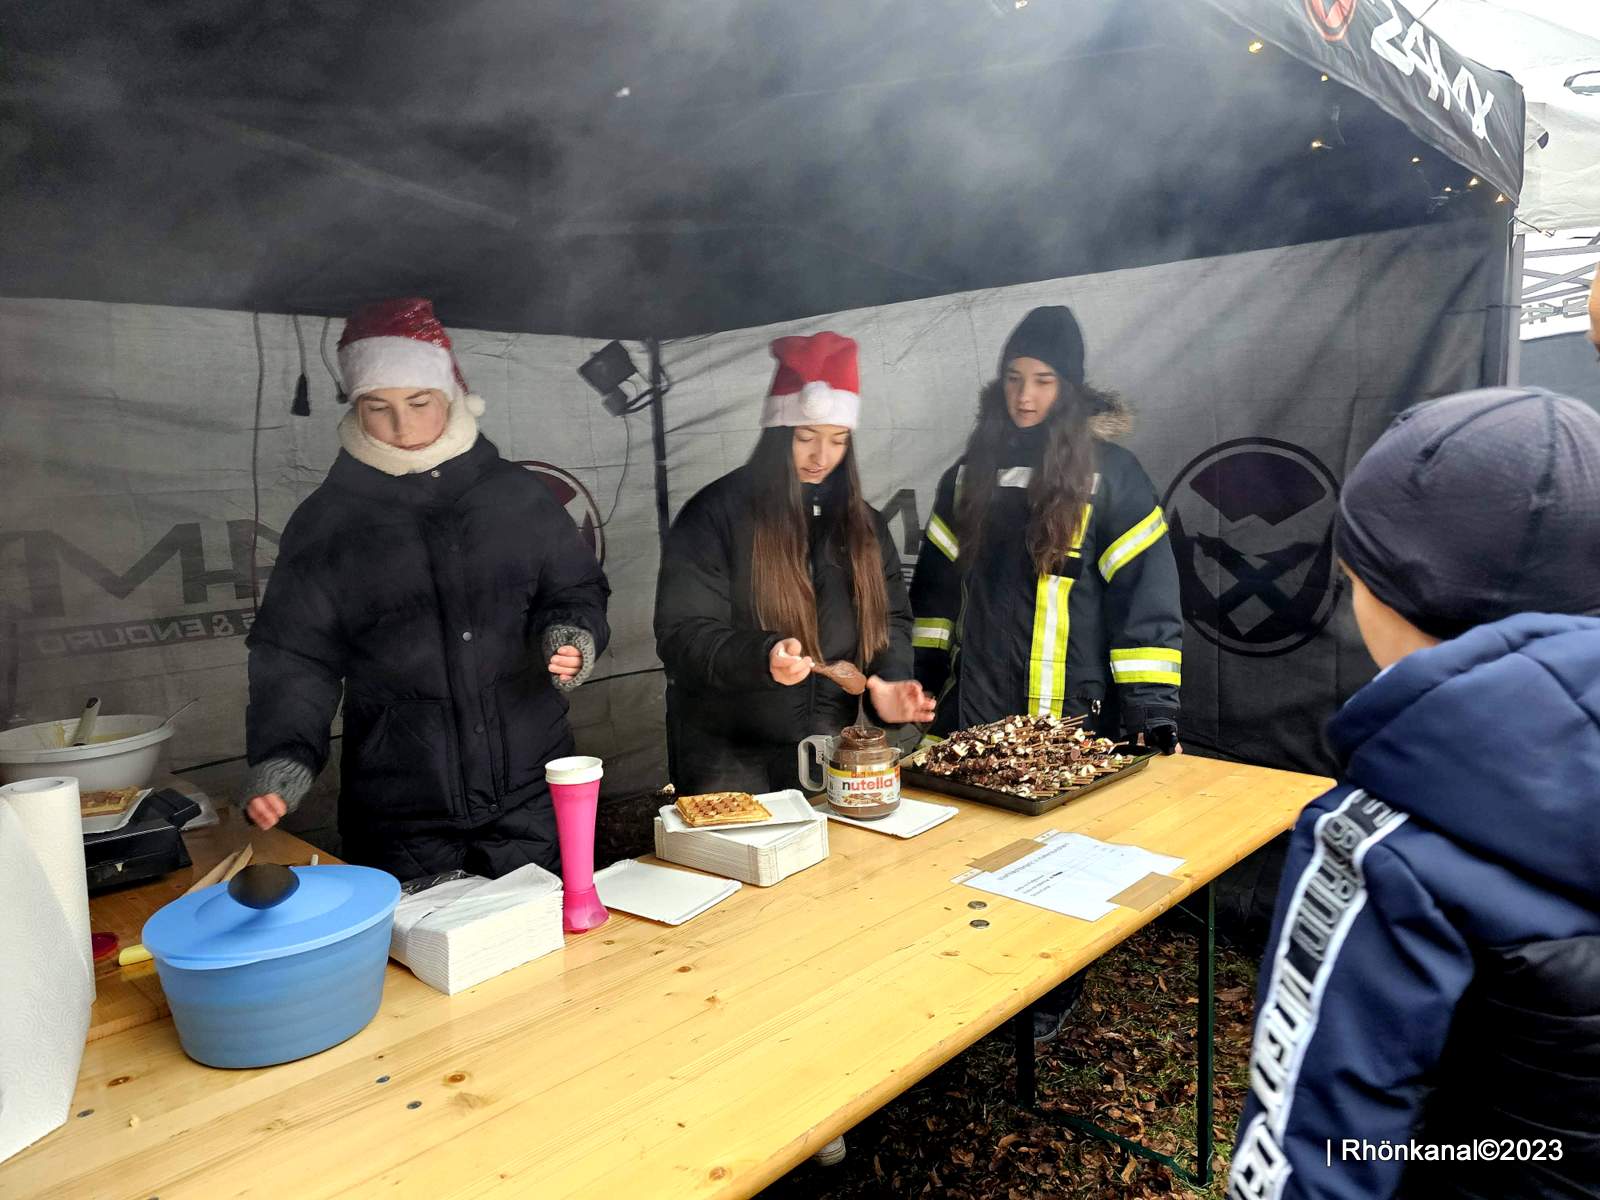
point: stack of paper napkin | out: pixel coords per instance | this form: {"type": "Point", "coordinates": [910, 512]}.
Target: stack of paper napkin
{"type": "Point", "coordinates": [457, 934]}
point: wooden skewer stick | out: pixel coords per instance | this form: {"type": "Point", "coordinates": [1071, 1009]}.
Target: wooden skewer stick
{"type": "Point", "coordinates": [240, 862]}
{"type": "Point", "coordinates": [221, 873]}
{"type": "Point", "coordinates": [215, 874]}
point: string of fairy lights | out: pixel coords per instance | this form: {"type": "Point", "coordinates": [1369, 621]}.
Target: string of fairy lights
{"type": "Point", "coordinates": [1257, 46]}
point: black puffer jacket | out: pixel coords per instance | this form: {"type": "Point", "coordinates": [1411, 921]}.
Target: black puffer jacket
{"type": "Point", "coordinates": [729, 725]}
{"type": "Point", "coordinates": [425, 597]}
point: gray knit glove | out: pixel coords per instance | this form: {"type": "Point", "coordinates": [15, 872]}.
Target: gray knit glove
{"type": "Point", "coordinates": [557, 636]}
{"type": "Point", "coordinates": [289, 778]}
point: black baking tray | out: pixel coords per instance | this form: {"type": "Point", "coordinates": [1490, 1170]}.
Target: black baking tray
{"type": "Point", "coordinates": [1018, 804]}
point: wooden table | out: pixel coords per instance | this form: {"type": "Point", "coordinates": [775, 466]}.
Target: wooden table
{"type": "Point", "coordinates": [646, 1061]}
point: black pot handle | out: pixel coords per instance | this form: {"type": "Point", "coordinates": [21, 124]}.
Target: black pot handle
{"type": "Point", "coordinates": [263, 885]}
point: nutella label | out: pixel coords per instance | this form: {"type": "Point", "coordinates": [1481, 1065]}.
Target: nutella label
{"type": "Point", "coordinates": [866, 787]}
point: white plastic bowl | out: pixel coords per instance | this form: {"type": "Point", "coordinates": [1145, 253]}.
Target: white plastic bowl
{"type": "Point", "coordinates": [123, 753]}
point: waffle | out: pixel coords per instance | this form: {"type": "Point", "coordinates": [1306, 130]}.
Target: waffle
{"type": "Point", "coordinates": [108, 803]}
{"type": "Point", "coordinates": [721, 808]}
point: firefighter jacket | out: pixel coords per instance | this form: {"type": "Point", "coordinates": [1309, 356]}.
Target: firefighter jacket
{"type": "Point", "coordinates": [1099, 633]}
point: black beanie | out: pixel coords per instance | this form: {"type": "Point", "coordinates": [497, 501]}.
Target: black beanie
{"type": "Point", "coordinates": [1478, 506]}
{"type": "Point", "coordinates": [1051, 335]}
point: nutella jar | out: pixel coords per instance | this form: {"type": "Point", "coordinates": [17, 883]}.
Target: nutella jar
{"type": "Point", "coordinates": [861, 772]}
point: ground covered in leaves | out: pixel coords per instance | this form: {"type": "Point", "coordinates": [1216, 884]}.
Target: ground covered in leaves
{"type": "Point", "coordinates": [1127, 1062]}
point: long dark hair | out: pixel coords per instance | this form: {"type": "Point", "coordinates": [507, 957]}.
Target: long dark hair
{"type": "Point", "coordinates": [1057, 494]}
{"type": "Point", "coordinates": [782, 595]}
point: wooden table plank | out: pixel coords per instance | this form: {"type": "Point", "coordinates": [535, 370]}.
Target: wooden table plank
{"type": "Point", "coordinates": [702, 1060]}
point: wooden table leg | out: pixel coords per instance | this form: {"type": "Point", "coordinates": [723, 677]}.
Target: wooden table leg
{"type": "Point", "coordinates": [1205, 1051]}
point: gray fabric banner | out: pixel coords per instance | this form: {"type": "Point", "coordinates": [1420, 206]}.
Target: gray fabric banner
{"type": "Point", "coordinates": [128, 513]}
{"type": "Point", "coordinates": [1256, 382]}
{"type": "Point", "coordinates": [126, 442]}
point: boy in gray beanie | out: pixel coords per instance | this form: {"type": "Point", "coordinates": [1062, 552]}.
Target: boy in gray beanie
{"type": "Point", "coordinates": [1476, 507]}
{"type": "Point", "coordinates": [1433, 974]}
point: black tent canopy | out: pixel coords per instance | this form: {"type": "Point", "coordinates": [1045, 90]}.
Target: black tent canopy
{"type": "Point", "coordinates": [639, 168]}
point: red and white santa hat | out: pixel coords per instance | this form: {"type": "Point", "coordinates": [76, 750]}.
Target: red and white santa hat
{"type": "Point", "coordinates": [816, 383]}
{"type": "Point", "coordinates": [400, 344]}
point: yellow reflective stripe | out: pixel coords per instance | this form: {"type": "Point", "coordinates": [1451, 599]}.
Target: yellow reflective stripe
{"type": "Point", "coordinates": [939, 534]}
{"type": "Point", "coordinates": [1047, 662]}
{"type": "Point", "coordinates": [1171, 677]}
{"type": "Point", "coordinates": [1082, 531]}
{"type": "Point", "coordinates": [1041, 601]}
{"type": "Point", "coordinates": [932, 633]}
{"type": "Point", "coordinates": [1147, 664]}
{"type": "Point", "coordinates": [1132, 544]}
{"type": "Point", "coordinates": [1160, 653]}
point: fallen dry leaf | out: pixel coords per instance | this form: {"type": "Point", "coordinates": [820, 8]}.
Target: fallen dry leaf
{"type": "Point", "coordinates": [1131, 1048]}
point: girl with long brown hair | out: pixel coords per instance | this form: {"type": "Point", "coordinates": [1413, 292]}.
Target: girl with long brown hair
{"type": "Point", "coordinates": [775, 569]}
{"type": "Point", "coordinates": [1046, 585]}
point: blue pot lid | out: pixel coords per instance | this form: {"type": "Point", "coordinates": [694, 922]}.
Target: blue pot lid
{"type": "Point", "coordinates": [209, 930]}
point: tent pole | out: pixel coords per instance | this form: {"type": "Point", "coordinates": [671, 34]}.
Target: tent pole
{"type": "Point", "coordinates": [1519, 245]}
{"type": "Point", "coordinates": [1503, 316]}
{"type": "Point", "coordinates": [658, 434]}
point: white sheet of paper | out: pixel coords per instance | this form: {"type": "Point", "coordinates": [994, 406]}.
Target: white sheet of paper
{"type": "Point", "coordinates": [1074, 875]}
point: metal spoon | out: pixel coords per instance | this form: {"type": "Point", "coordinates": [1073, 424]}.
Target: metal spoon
{"type": "Point", "coordinates": [182, 708]}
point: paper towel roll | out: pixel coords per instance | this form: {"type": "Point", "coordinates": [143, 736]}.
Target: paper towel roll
{"type": "Point", "coordinates": [53, 824]}
{"type": "Point", "coordinates": [45, 993]}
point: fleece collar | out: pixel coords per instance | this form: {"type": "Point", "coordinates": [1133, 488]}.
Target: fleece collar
{"type": "Point", "coordinates": [444, 484]}
{"type": "Point", "coordinates": [460, 432]}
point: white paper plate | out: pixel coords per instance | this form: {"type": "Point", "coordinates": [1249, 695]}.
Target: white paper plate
{"type": "Point", "coordinates": [113, 821]}
{"type": "Point", "coordinates": [787, 808]}
{"type": "Point", "coordinates": [910, 819]}
{"type": "Point", "coordinates": [658, 893]}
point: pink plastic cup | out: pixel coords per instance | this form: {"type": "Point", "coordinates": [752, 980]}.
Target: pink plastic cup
{"type": "Point", "coordinates": [575, 791]}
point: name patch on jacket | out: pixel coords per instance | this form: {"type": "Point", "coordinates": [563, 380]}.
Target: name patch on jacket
{"type": "Point", "coordinates": [1328, 897]}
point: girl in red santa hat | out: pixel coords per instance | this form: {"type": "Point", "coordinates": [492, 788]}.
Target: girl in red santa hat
{"type": "Point", "coordinates": [447, 598]}
{"type": "Point", "coordinates": [772, 571]}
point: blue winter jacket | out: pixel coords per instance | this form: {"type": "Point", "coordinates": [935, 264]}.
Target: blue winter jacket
{"type": "Point", "coordinates": [1433, 974]}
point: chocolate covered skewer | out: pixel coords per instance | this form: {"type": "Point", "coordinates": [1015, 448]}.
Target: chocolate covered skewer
{"type": "Point", "coordinates": [1034, 757]}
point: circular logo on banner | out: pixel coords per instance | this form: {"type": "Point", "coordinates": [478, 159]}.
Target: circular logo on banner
{"type": "Point", "coordinates": [575, 498]}
{"type": "Point", "coordinates": [1272, 505]}
{"type": "Point", "coordinates": [1331, 17]}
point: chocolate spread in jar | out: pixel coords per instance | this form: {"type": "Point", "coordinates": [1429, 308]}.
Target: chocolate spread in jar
{"type": "Point", "coordinates": [864, 775]}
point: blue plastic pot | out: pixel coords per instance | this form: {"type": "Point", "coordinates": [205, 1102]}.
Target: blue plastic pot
{"type": "Point", "coordinates": [252, 987]}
